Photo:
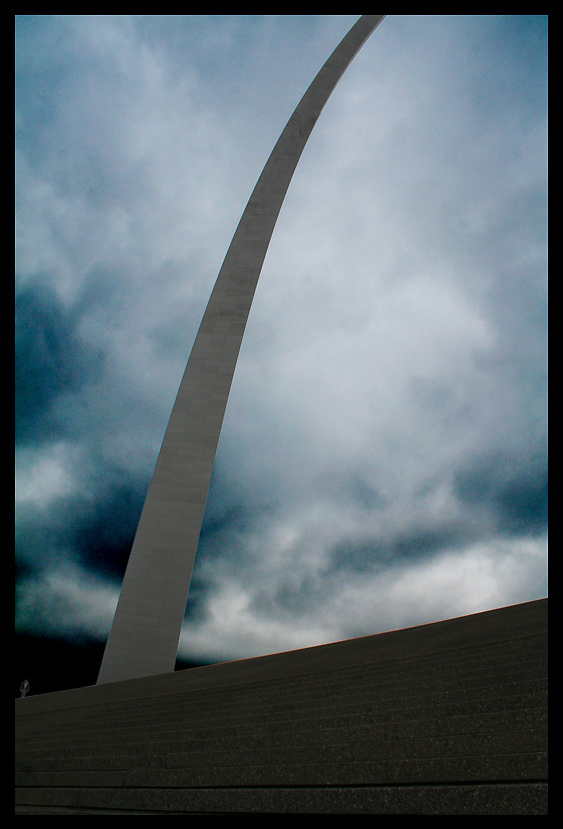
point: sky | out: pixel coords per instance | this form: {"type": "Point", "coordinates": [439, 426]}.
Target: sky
{"type": "Point", "coordinates": [383, 459]}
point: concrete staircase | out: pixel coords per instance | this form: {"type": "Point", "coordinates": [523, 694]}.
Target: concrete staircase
{"type": "Point", "coordinates": [448, 718]}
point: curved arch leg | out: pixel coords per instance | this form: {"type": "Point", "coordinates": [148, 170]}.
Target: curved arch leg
{"type": "Point", "coordinates": [146, 627]}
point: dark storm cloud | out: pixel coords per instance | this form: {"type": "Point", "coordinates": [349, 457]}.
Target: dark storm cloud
{"type": "Point", "coordinates": [401, 548]}
{"type": "Point", "coordinates": [234, 506]}
{"type": "Point", "coordinates": [51, 360]}
{"type": "Point", "coordinates": [96, 533]}
{"type": "Point", "coordinates": [225, 520]}
{"type": "Point", "coordinates": [102, 536]}
{"type": "Point", "coordinates": [510, 490]}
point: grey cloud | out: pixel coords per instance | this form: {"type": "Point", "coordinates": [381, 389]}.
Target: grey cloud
{"type": "Point", "coordinates": [400, 548]}
{"type": "Point", "coordinates": [512, 489]}
{"type": "Point", "coordinates": [293, 596]}
{"type": "Point", "coordinates": [51, 360]}
{"type": "Point", "coordinates": [93, 532]}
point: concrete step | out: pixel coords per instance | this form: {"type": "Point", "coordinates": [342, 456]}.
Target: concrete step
{"type": "Point", "coordinates": [449, 718]}
{"type": "Point", "coordinates": [509, 624]}
{"type": "Point", "coordinates": [147, 755]}
{"type": "Point", "coordinates": [465, 755]}
{"type": "Point", "coordinates": [493, 656]}
{"type": "Point", "coordinates": [383, 679]}
{"type": "Point", "coordinates": [481, 799]}
{"type": "Point", "coordinates": [308, 746]}
{"type": "Point", "coordinates": [364, 681]}
{"type": "Point", "coordinates": [373, 716]}
{"type": "Point", "coordinates": [371, 709]}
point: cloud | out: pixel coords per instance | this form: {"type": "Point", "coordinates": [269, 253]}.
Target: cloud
{"type": "Point", "coordinates": [383, 455]}
{"type": "Point", "coordinates": [514, 489]}
{"type": "Point", "coordinates": [240, 622]}
{"type": "Point", "coordinates": [51, 361]}
{"type": "Point", "coordinates": [65, 605]}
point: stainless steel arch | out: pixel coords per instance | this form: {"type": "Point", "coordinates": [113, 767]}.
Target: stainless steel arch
{"type": "Point", "coordinates": [146, 627]}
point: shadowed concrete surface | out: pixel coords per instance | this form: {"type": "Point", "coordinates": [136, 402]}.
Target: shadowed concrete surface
{"type": "Point", "coordinates": [445, 718]}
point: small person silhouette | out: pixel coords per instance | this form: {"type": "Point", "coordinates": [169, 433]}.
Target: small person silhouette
{"type": "Point", "coordinates": [24, 688]}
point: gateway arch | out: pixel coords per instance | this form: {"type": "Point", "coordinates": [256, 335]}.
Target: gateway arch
{"type": "Point", "coordinates": [145, 632]}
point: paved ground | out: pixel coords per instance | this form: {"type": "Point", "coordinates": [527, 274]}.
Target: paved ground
{"type": "Point", "coordinates": [448, 718]}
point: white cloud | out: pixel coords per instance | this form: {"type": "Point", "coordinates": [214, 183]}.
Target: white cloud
{"type": "Point", "coordinates": [492, 574]}
{"type": "Point", "coordinates": [66, 603]}
{"type": "Point", "coordinates": [232, 631]}
{"type": "Point", "coordinates": [41, 479]}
